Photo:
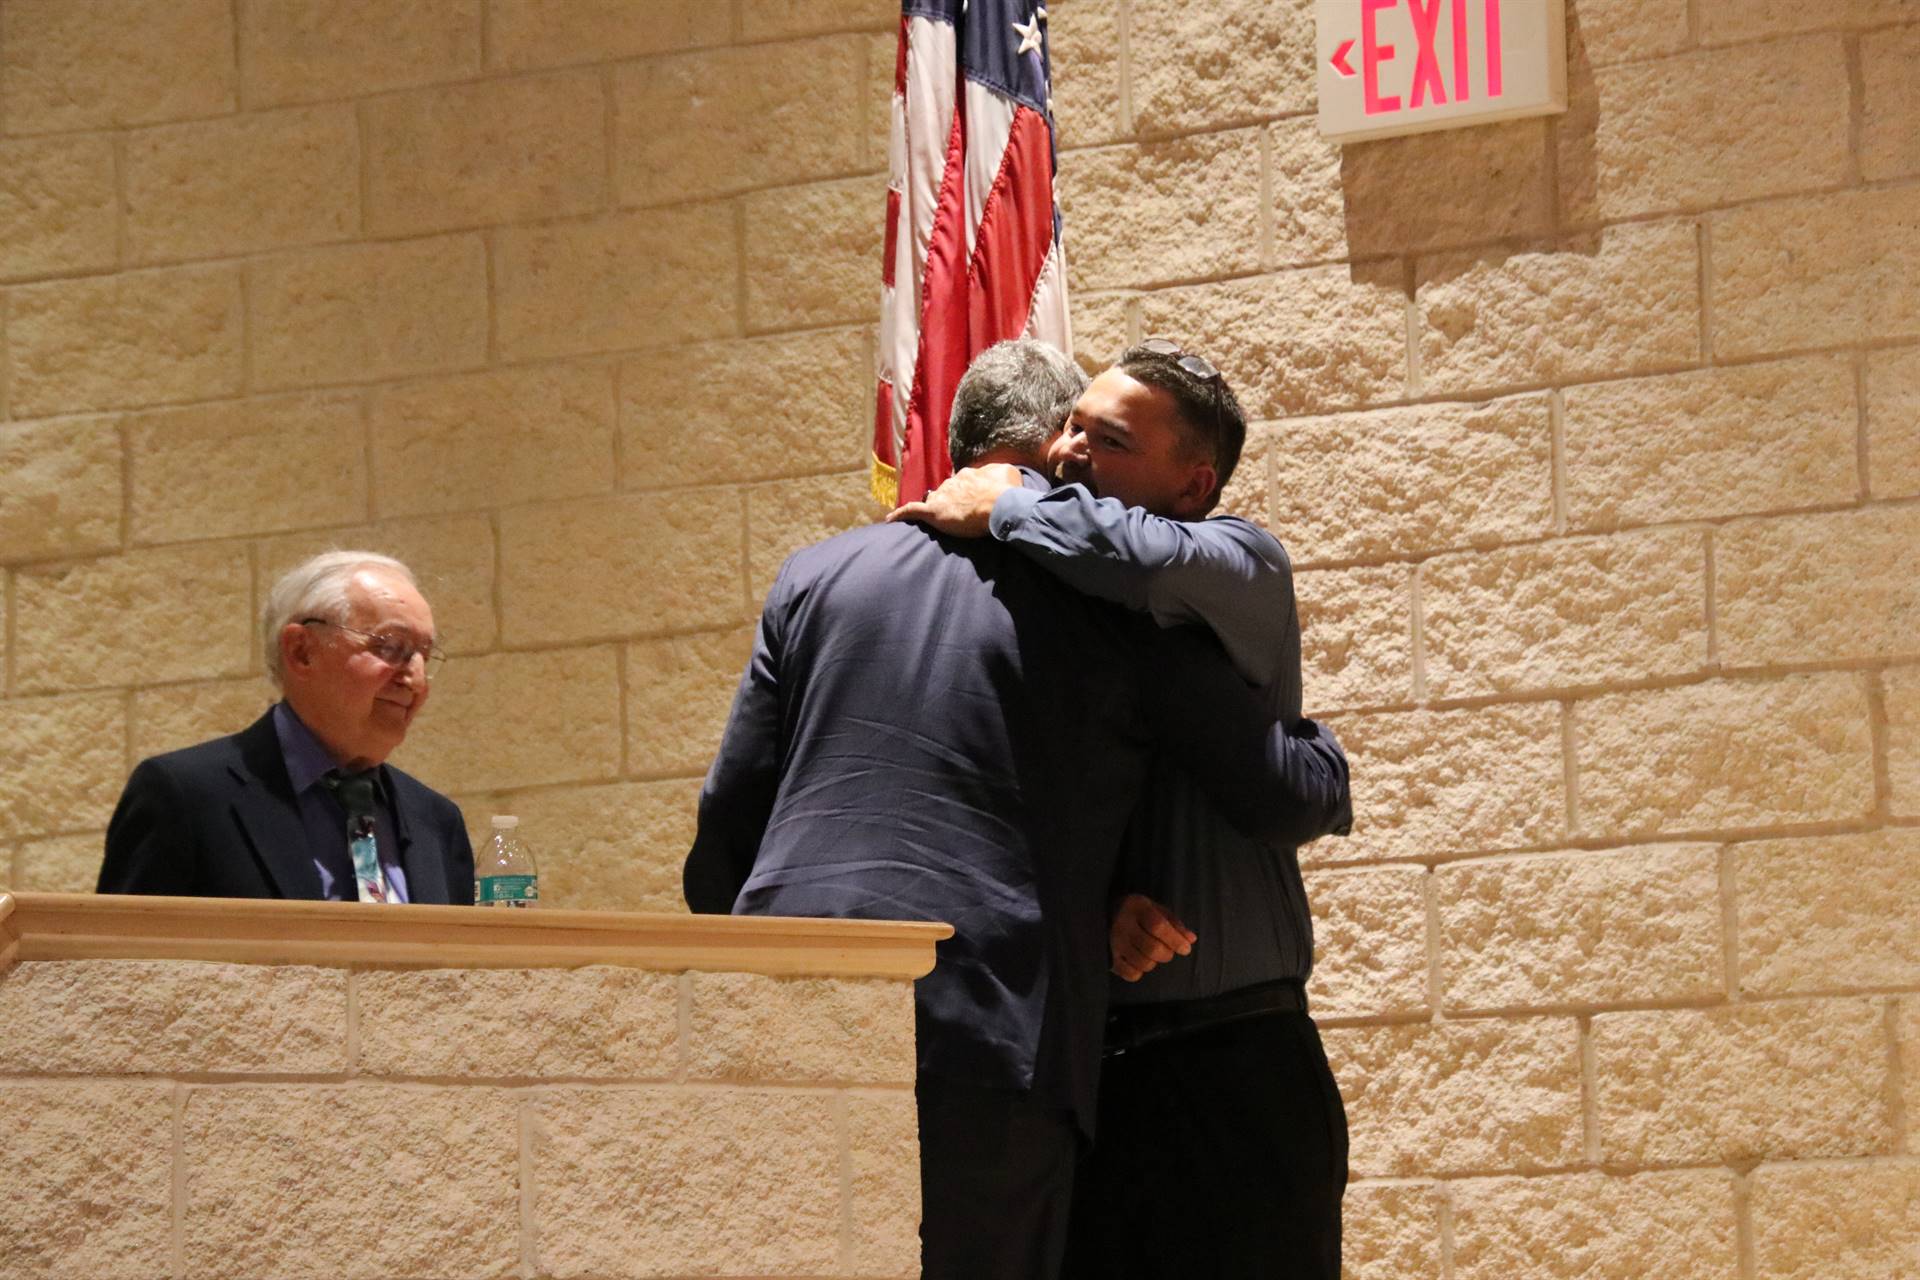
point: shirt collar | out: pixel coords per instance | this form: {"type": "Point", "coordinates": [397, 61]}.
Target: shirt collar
{"type": "Point", "coordinates": [306, 758]}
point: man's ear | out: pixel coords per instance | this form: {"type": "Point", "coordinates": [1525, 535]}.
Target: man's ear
{"type": "Point", "coordinates": [296, 647]}
{"type": "Point", "coordinates": [1193, 500]}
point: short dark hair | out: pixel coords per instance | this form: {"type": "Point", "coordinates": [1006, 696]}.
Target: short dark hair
{"type": "Point", "coordinates": [1016, 394]}
{"type": "Point", "coordinates": [1213, 425]}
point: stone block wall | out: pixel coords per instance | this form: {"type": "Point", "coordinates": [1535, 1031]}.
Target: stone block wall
{"type": "Point", "coordinates": [1595, 439]}
{"type": "Point", "coordinates": [245, 1120]}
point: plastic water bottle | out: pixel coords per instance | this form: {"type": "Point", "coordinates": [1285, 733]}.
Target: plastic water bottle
{"type": "Point", "coordinates": [506, 876]}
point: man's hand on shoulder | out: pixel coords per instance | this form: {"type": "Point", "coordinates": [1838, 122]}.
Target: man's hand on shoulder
{"type": "Point", "coordinates": [1145, 935]}
{"type": "Point", "coordinates": [962, 504]}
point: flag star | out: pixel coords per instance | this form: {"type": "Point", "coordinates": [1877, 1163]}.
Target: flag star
{"type": "Point", "coordinates": [1041, 13]}
{"type": "Point", "coordinates": [1029, 35]}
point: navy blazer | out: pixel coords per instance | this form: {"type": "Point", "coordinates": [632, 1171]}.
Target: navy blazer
{"type": "Point", "coordinates": [933, 728]}
{"type": "Point", "coordinates": [219, 820]}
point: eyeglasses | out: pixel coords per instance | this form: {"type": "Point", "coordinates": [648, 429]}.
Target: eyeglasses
{"type": "Point", "coordinates": [395, 651]}
{"type": "Point", "coordinates": [1199, 368]}
{"type": "Point", "coordinates": [1193, 364]}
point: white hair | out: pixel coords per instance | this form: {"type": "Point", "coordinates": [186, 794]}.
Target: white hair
{"type": "Point", "coordinates": [317, 589]}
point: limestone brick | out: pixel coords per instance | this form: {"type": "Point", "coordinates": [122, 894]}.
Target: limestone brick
{"type": "Point", "coordinates": [181, 715]}
{"type": "Point", "coordinates": [1370, 942]}
{"type": "Point", "coordinates": [637, 280]}
{"type": "Point", "coordinates": [721, 1182]}
{"type": "Point", "coordinates": [136, 338]}
{"type": "Point", "coordinates": [534, 434]}
{"type": "Point", "coordinates": [1830, 912]}
{"type": "Point", "coordinates": [697, 125]}
{"type": "Point", "coordinates": [1439, 190]}
{"type": "Point", "coordinates": [365, 312]}
{"type": "Point", "coordinates": [1636, 925]}
{"type": "Point", "coordinates": [1086, 47]}
{"type": "Point", "coordinates": [1662, 136]}
{"type": "Point", "coordinates": [883, 61]}
{"type": "Point", "coordinates": [1902, 690]}
{"type": "Point", "coordinates": [1836, 1222]}
{"type": "Point", "coordinates": [884, 1192]}
{"type": "Point", "coordinates": [1727, 754]}
{"type": "Point", "coordinates": [787, 515]}
{"type": "Point", "coordinates": [1176, 209]}
{"type": "Point", "coordinates": [56, 206]}
{"type": "Point", "coordinates": [663, 562]}
{"type": "Point", "coordinates": [745, 1026]}
{"type": "Point", "coordinates": [1776, 1080]}
{"type": "Point", "coordinates": [1715, 442]}
{"type": "Point", "coordinates": [267, 180]}
{"type": "Point", "coordinates": [59, 864]}
{"type": "Point", "coordinates": [451, 558]}
{"type": "Point", "coordinates": [606, 848]}
{"type": "Point", "coordinates": [783, 406]}
{"type": "Point", "coordinates": [1442, 782]}
{"type": "Point", "coordinates": [440, 1165]}
{"type": "Point", "coordinates": [1750, 19]}
{"type": "Point", "coordinates": [240, 467]}
{"type": "Point", "coordinates": [679, 689]}
{"type": "Point", "coordinates": [550, 33]}
{"type": "Point", "coordinates": [1343, 345]}
{"type": "Point", "coordinates": [175, 613]}
{"type": "Point", "coordinates": [1211, 65]}
{"type": "Point", "coordinates": [1100, 331]}
{"type": "Point", "coordinates": [152, 1017]}
{"type": "Point", "coordinates": [519, 719]}
{"type": "Point", "coordinates": [1399, 482]}
{"type": "Point", "coordinates": [1816, 271]}
{"type": "Point", "coordinates": [1310, 205]}
{"type": "Point", "coordinates": [302, 50]}
{"type": "Point", "coordinates": [1459, 1097]}
{"type": "Point", "coordinates": [813, 253]}
{"type": "Point", "coordinates": [1596, 1227]}
{"type": "Point", "coordinates": [1611, 31]}
{"type": "Point", "coordinates": [62, 762]}
{"type": "Point", "coordinates": [1356, 635]}
{"type": "Point", "coordinates": [90, 1184]}
{"type": "Point", "coordinates": [597, 1021]}
{"type": "Point", "coordinates": [90, 64]}
{"type": "Point", "coordinates": [1554, 615]}
{"type": "Point", "coordinates": [1624, 300]}
{"type": "Point", "coordinates": [1391, 1231]}
{"type": "Point", "coordinates": [59, 489]}
{"type": "Point", "coordinates": [1818, 587]}
{"type": "Point", "coordinates": [1890, 119]}
{"type": "Point", "coordinates": [479, 154]}
{"type": "Point", "coordinates": [1893, 422]}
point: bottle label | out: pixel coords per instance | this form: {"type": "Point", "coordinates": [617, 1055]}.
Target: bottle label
{"type": "Point", "coordinates": [508, 890]}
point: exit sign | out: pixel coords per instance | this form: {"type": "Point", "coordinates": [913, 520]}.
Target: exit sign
{"type": "Point", "coordinates": [1390, 67]}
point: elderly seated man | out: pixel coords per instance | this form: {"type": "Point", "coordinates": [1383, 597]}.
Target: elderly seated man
{"type": "Point", "coordinates": [302, 804]}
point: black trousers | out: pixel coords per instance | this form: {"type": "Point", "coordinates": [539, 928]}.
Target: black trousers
{"type": "Point", "coordinates": [996, 1182]}
{"type": "Point", "coordinates": [1222, 1153]}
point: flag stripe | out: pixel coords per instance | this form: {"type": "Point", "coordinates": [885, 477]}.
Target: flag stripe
{"type": "Point", "coordinates": [1016, 231]}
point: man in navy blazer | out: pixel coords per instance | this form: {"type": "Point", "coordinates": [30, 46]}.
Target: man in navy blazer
{"type": "Point", "coordinates": [934, 728]}
{"type": "Point", "coordinates": [301, 804]}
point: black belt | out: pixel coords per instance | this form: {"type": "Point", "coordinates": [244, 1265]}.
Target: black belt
{"type": "Point", "coordinates": [1131, 1025]}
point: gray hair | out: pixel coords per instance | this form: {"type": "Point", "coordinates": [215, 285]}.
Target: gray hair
{"type": "Point", "coordinates": [1015, 395]}
{"type": "Point", "coordinates": [317, 589]}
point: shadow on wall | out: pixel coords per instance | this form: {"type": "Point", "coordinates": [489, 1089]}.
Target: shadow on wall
{"type": "Point", "coordinates": [1462, 198]}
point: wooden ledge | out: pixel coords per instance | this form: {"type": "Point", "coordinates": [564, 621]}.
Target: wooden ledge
{"type": "Point", "coordinates": [74, 926]}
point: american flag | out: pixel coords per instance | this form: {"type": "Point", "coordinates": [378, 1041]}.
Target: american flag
{"type": "Point", "coordinates": [973, 233]}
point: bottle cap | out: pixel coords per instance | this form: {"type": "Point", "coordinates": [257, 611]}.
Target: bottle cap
{"type": "Point", "coordinates": [505, 822]}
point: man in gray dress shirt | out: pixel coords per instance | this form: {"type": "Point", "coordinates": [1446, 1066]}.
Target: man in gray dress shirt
{"type": "Point", "coordinates": [1221, 1148]}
